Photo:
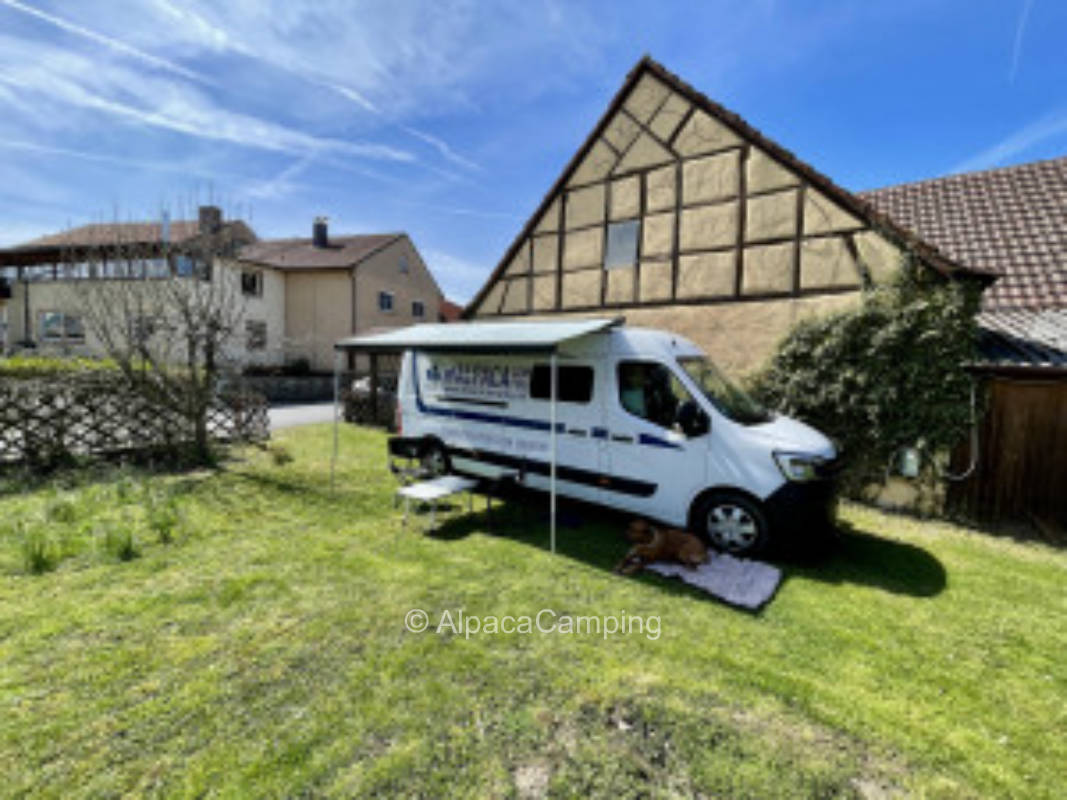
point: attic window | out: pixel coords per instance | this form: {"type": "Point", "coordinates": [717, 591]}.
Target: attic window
{"type": "Point", "coordinates": [622, 244]}
{"type": "Point", "coordinates": [403, 263]}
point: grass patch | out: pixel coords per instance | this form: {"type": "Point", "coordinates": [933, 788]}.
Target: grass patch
{"type": "Point", "coordinates": [256, 646]}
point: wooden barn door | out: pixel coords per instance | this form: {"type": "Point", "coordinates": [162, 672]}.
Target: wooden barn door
{"type": "Point", "coordinates": [1022, 467]}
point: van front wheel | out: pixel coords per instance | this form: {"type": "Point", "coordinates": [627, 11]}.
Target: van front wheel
{"type": "Point", "coordinates": [732, 522]}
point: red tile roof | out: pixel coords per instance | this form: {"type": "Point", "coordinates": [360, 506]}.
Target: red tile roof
{"type": "Point", "coordinates": [111, 233]}
{"type": "Point", "coordinates": [342, 252]}
{"type": "Point", "coordinates": [449, 311]}
{"type": "Point", "coordinates": [1011, 220]}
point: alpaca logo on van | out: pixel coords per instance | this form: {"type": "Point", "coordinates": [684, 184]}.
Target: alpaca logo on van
{"type": "Point", "coordinates": [479, 379]}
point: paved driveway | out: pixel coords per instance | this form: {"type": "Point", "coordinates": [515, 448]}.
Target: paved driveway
{"type": "Point", "coordinates": [288, 416]}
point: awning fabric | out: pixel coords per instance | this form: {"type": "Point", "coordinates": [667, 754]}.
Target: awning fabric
{"type": "Point", "coordinates": [478, 337]}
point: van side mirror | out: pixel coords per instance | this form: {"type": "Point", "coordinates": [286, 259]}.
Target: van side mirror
{"type": "Point", "coordinates": [692, 419]}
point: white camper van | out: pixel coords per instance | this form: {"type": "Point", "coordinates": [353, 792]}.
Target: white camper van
{"type": "Point", "coordinates": [644, 423]}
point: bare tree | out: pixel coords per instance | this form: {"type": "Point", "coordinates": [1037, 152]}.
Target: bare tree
{"type": "Point", "coordinates": [167, 316]}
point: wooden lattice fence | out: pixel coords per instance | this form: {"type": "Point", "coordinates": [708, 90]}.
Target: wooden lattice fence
{"type": "Point", "coordinates": [51, 420]}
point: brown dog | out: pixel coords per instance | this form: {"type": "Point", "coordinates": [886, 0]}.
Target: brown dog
{"type": "Point", "coordinates": [660, 544]}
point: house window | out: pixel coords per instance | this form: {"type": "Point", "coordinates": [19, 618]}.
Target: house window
{"type": "Point", "coordinates": [255, 334]}
{"type": "Point", "coordinates": [418, 309]}
{"type": "Point", "coordinates": [251, 283]}
{"type": "Point", "coordinates": [622, 244]}
{"type": "Point", "coordinates": [60, 327]}
{"type": "Point", "coordinates": [403, 263]}
{"type": "Point", "coordinates": [385, 301]}
{"type": "Point", "coordinates": [574, 383]}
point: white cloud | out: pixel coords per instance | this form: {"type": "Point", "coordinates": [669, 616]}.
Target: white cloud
{"type": "Point", "coordinates": [106, 41]}
{"type": "Point", "coordinates": [1022, 140]}
{"type": "Point", "coordinates": [1017, 43]}
{"type": "Point", "coordinates": [70, 79]}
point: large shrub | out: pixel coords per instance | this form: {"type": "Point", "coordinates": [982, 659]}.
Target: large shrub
{"type": "Point", "coordinates": [886, 375]}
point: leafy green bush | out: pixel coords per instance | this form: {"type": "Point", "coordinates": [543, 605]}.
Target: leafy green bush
{"type": "Point", "coordinates": [886, 375]}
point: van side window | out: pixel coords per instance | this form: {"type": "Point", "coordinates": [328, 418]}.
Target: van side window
{"type": "Point", "coordinates": [649, 390]}
{"type": "Point", "coordinates": [575, 384]}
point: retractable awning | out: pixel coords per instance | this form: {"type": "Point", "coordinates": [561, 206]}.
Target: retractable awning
{"type": "Point", "coordinates": [478, 337]}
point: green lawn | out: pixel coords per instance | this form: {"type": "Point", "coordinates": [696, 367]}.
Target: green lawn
{"type": "Point", "coordinates": [262, 652]}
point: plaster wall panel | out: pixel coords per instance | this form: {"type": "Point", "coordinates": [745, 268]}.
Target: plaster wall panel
{"type": "Point", "coordinates": [707, 274]}
{"type": "Point", "coordinates": [709, 226]}
{"type": "Point", "coordinates": [711, 178]}
{"type": "Point", "coordinates": [771, 216]}
{"type": "Point", "coordinates": [768, 268]}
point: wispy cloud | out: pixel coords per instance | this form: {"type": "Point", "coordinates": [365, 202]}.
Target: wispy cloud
{"type": "Point", "coordinates": [106, 41]}
{"type": "Point", "coordinates": [179, 168]}
{"type": "Point", "coordinates": [1017, 44]}
{"type": "Point", "coordinates": [442, 147]}
{"type": "Point", "coordinates": [72, 80]}
{"type": "Point", "coordinates": [281, 184]}
{"type": "Point", "coordinates": [1041, 130]}
{"type": "Point", "coordinates": [459, 278]}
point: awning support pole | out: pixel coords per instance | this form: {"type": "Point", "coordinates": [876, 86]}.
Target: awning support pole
{"type": "Point", "coordinates": [336, 396]}
{"type": "Point", "coordinates": [552, 467]}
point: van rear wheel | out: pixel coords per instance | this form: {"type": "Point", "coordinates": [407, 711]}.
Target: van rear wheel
{"type": "Point", "coordinates": [733, 523]}
{"type": "Point", "coordinates": [434, 459]}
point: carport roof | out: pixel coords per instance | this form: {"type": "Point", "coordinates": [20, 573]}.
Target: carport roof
{"type": "Point", "coordinates": [479, 337]}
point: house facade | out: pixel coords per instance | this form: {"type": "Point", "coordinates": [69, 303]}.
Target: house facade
{"type": "Point", "coordinates": [298, 296]}
{"type": "Point", "coordinates": [678, 214]}
{"type": "Point", "coordinates": [333, 287]}
{"type": "Point", "coordinates": [47, 277]}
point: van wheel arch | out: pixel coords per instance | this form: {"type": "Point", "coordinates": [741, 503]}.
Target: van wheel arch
{"type": "Point", "coordinates": [433, 455]}
{"type": "Point", "coordinates": [747, 506]}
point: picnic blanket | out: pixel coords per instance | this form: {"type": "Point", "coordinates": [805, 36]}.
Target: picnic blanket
{"type": "Point", "coordinates": [737, 581]}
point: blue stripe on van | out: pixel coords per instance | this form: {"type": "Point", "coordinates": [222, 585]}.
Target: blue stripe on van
{"type": "Point", "coordinates": [655, 441]}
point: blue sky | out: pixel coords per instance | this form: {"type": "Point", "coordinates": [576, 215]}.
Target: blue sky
{"type": "Point", "coordinates": [450, 120]}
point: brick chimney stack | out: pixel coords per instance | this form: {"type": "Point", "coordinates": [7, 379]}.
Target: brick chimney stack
{"type": "Point", "coordinates": [210, 219]}
{"type": "Point", "coordinates": [320, 232]}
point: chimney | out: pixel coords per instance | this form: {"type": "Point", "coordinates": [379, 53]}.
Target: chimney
{"type": "Point", "coordinates": [320, 232]}
{"type": "Point", "coordinates": [210, 219]}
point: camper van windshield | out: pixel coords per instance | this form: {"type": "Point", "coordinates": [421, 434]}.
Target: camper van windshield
{"type": "Point", "coordinates": [727, 398]}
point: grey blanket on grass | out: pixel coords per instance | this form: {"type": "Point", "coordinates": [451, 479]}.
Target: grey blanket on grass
{"type": "Point", "coordinates": [737, 581]}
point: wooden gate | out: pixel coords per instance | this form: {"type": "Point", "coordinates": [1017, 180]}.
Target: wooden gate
{"type": "Point", "coordinates": [1022, 466]}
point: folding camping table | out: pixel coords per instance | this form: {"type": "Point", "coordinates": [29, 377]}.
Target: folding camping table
{"type": "Point", "coordinates": [433, 490]}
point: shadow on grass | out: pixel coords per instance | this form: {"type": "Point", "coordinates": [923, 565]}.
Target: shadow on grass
{"type": "Point", "coordinates": [863, 558]}
{"type": "Point", "coordinates": [593, 536]}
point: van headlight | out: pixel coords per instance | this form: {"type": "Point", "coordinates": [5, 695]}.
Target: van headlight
{"type": "Point", "coordinates": [798, 466]}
